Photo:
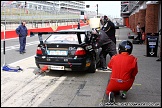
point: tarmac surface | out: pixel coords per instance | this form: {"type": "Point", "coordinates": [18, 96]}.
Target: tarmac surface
{"type": "Point", "coordinates": [146, 91]}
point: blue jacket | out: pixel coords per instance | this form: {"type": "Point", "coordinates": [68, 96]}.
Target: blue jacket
{"type": "Point", "coordinates": [22, 31]}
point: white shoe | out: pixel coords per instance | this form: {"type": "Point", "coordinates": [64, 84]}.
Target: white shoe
{"type": "Point", "coordinates": [109, 69]}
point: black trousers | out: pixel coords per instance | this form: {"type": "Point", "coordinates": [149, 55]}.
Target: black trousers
{"type": "Point", "coordinates": [107, 49]}
{"type": "Point", "coordinates": [139, 37]}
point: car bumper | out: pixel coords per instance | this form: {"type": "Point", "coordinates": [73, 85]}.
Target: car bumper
{"type": "Point", "coordinates": [81, 64]}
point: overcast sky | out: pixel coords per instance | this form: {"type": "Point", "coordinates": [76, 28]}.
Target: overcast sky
{"type": "Point", "coordinates": [109, 8]}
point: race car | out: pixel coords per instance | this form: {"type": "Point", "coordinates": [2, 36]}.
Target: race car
{"type": "Point", "coordinates": [68, 50]}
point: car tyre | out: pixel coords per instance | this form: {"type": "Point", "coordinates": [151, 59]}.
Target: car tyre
{"type": "Point", "coordinates": [130, 37]}
{"type": "Point", "coordinates": [92, 68]}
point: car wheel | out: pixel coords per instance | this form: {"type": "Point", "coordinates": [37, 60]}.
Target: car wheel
{"type": "Point", "coordinates": [92, 68]}
{"type": "Point", "coordinates": [37, 65]}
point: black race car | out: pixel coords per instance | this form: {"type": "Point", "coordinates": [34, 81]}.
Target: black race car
{"type": "Point", "coordinates": [69, 50]}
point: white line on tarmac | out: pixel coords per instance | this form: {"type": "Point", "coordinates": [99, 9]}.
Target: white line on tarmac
{"type": "Point", "coordinates": [17, 46]}
{"type": "Point", "coordinates": [21, 63]}
{"type": "Point", "coordinates": [21, 60]}
{"type": "Point", "coordinates": [13, 38]}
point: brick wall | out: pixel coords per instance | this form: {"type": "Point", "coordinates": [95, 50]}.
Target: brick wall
{"type": "Point", "coordinates": [133, 22]}
{"type": "Point", "coordinates": [130, 22]}
{"type": "Point", "coordinates": [142, 14]}
{"type": "Point", "coordinates": [152, 12]}
{"type": "Point", "coordinates": [136, 21]}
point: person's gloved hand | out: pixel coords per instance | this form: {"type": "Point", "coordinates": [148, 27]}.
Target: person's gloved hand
{"type": "Point", "coordinates": [95, 46]}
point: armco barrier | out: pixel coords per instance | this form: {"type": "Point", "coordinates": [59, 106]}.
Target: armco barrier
{"type": "Point", "coordinates": [12, 34]}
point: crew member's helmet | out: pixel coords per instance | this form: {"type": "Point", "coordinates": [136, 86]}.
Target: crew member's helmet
{"type": "Point", "coordinates": [125, 46]}
{"type": "Point", "coordinates": [105, 17]}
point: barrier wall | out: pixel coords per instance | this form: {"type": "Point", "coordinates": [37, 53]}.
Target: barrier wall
{"type": "Point", "coordinates": [12, 34]}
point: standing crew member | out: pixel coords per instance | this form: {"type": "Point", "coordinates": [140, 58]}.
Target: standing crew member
{"type": "Point", "coordinates": [124, 69]}
{"type": "Point", "coordinates": [107, 45]}
{"type": "Point", "coordinates": [22, 33]}
{"type": "Point", "coordinates": [139, 37]}
{"type": "Point", "coordinates": [78, 25]}
{"type": "Point", "coordinates": [109, 28]}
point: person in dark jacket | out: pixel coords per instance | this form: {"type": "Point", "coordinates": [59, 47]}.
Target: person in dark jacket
{"type": "Point", "coordinates": [22, 33]}
{"type": "Point", "coordinates": [107, 45]}
{"type": "Point", "coordinates": [78, 25]}
{"type": "Point", "coordinates": [109, 28]}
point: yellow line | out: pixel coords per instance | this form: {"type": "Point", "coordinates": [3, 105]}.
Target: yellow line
{"type": "Point", "coordinates": [136, 84]}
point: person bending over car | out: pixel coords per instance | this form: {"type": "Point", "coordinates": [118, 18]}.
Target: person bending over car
{"type": "Point", "coordinates": [107, 45]}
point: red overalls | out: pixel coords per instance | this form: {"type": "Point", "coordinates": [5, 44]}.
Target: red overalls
{"type": "Point", "coordinates": [124, 69]}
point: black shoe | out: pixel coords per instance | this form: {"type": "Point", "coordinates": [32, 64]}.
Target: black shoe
{"type": "Point", "coordinates": [100, 68]}
{"type": "Point", "coordinates": [111, 97]}
{"type": "Point", "coordinates": [24, 52]}
{"type": "Point", "coordinates": [21, 52]}
{"type": "Point", "coordinates": [104, 69]}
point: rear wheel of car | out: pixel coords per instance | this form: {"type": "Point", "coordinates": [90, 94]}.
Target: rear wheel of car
{"type": "Point", "coordinates": [92, 68]}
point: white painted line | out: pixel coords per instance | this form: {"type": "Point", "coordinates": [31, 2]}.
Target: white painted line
{"type": "Point", "coordinates": [46, 93]}
{"type": "Point", "coordinates": [22, 60]}
{"type": "Point", "coordinates": [17, 46]}
{"type": "Point", "coordinates": [24, 63]}
{"type": "Point", "coordinates": [13, 38]}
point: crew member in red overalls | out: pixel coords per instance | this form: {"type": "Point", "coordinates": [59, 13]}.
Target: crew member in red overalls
{"type": "Point", "coordinates": [124, 69]}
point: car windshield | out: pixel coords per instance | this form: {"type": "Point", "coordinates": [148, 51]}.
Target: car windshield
{"type": "Point", "coordinates": [64, 38]}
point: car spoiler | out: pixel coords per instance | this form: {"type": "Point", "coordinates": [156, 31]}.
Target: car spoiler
{"type": "Point", "coordinates": [39, 34]}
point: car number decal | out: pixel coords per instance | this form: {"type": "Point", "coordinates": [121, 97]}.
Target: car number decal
{"type": "Point", "coordinates": [53, 67]}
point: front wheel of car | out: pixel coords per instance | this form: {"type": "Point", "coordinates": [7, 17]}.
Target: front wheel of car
{"type": "Point", "coordinates": [92, 68]}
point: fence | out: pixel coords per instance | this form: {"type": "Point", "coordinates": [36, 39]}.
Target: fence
{"type": "Point", "coordinates": [12, 16]}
